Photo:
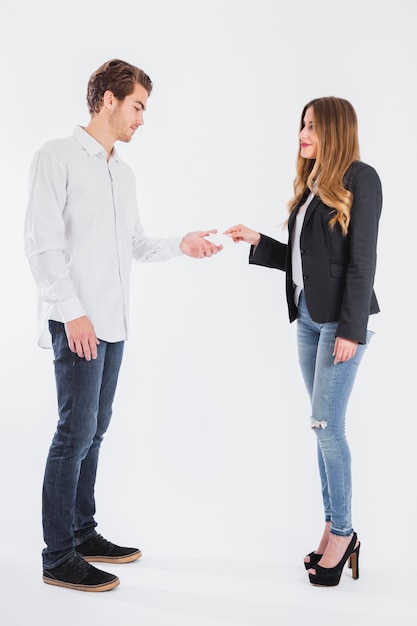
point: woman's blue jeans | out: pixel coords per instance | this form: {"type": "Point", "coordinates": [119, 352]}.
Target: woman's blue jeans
{"type": "Point", "coordinates": [329, 387]}
{"type": "Point", "coordinates": [85, 393]}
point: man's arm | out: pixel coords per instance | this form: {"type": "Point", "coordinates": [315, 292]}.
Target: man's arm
{"type": "Point", "coordinates": [44, 239]}
{"type": "Point", "coordinates": [44, 235]}
{"type": "Point", "coordinates": [192, 244]}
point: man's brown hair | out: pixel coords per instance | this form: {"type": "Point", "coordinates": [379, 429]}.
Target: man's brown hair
{"type": "Point", "coordinates": [116, 76]}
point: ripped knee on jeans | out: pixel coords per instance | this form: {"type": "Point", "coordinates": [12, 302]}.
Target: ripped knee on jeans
{"type": "Point", "coordinates": [318, 423]}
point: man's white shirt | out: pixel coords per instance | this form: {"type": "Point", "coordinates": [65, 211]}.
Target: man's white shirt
{"type": "Point", "coordinates": [82, 230]}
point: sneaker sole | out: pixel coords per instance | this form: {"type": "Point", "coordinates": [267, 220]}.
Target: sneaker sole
{"type": "Point", "coordinates": [112, 559]}
{"type": "Point", "coordinates": [103, 587]}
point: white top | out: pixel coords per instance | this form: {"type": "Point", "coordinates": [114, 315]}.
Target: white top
{"type": "Point", "coordinates": [297, 267]}
{"type": "Point", "coordinates": [82, 229]}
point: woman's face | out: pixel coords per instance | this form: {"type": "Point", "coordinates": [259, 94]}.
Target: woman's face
{"type": "Point", "coordinates": [309, 143]}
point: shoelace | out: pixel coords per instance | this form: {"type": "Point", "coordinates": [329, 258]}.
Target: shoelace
{"type": "Point", "coordinates": [103, 542]}
{"type": "Point", "coordinates": [79, 565]}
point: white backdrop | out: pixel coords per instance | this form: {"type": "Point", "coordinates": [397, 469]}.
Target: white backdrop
{"type": "Point", "coordinates": [210, 452]}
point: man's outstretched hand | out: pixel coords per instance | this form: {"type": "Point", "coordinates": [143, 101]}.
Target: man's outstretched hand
{"type": "Point", "coordinates": [196, 245]}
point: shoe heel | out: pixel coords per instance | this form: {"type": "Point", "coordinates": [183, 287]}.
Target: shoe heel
{"type": "Point", "coordinates": [354, 562]}
{"type": "Point", "coordinates": [349, 563]}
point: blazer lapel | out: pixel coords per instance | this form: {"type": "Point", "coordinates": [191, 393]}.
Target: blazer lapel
{"type": "Point", "coordinates": [314, 202]}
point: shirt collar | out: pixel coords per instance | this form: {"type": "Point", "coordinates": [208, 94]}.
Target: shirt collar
{"type": "Point", "coordinates": [91, 145]}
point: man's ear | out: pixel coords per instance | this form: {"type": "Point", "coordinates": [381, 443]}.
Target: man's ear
{"type": "Point", "coordinates": [108, 99]}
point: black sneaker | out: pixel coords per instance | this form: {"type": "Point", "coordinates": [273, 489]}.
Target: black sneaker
{"type": "Point", "coordinates": [75, 573]}
{"type": "Point", "coordinates": [99, 549]}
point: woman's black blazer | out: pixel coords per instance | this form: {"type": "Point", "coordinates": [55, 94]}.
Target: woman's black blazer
{"type": "Point", "coordinates": [338, 270]}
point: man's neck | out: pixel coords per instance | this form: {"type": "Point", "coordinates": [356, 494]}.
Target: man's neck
{"type": "Point", "coordinates": [101, 133]}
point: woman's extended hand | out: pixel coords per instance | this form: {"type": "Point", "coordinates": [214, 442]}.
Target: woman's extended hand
{"type": "Point", "coordinates": [243, 233]}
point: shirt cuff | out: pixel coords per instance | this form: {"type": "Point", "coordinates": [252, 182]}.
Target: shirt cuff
{"type": "Point", "coordinates": [70, 309]}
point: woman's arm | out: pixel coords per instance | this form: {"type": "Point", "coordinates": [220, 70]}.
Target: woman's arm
{"type": "Point", "coordinates": [264, 250]}
{"type": "Point", "coordinates": [363, 235]}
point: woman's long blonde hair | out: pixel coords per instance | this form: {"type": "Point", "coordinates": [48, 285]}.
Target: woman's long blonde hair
{"type": "Point", "coordinates": [338, 146]}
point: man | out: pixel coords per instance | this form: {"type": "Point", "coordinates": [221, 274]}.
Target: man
{"type": "Point", "coordinates": [82, 230]}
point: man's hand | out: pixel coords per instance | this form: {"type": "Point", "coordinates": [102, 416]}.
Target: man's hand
{"type": "Point", "coordinates": [344, 349]}
{"type": "Point", "coordinates": [195, 244]}
{"type": "Point", "coordinates": [82, 338]}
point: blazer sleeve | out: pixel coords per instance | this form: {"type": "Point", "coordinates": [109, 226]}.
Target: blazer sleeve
{"type": "Point", "coordinates": [358, 297]}
{"type": "Point", "coordinates": [269, 253]}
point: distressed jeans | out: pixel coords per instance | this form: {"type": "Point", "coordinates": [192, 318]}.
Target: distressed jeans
{"type": "Point", "coordinates": [85, 393]}
{"type": "Point", "coordinates": [329, 387]}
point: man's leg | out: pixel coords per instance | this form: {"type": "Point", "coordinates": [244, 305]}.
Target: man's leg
{"type": "Point", "coordinates": [78, 389]}
{"type": "Point", "coordinates": [85, 502]}
{"type": "Point", "coordinates": [89, 544]}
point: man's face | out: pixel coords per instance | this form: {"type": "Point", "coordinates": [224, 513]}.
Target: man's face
{"type": "Point", "coordinates": [127, 114]}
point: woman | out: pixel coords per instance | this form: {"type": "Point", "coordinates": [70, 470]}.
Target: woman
{"type": "Point", "coordinates": [330, 261]}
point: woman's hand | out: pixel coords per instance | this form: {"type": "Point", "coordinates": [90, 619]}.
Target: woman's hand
{"type": "Point", "coordinates": [243, 233]}
{"type": "Point", "coordinates": [344, 349]}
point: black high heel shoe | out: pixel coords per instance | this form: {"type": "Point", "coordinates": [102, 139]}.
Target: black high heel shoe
{"type": "Point", "coordinates": [330, 576]}
{"type": "Point", "coordinates": [314, 559]}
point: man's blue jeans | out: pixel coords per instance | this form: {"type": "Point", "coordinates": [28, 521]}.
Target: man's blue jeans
{"type": "Point", "coordinates": [329, 387]}
{"type": "Point", "coordinates": [85, 393]}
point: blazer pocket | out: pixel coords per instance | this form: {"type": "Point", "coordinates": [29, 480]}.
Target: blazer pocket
{"type": "Point", "coordinates": [337, 269]}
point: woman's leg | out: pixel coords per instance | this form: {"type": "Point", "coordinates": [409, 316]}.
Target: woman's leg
{"type": "Point", "coordinates": [332, 388]}
{"type": "Point", "coordinates": [329, 387]}
{"type": "Point", "coordinates": [308, 337]}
